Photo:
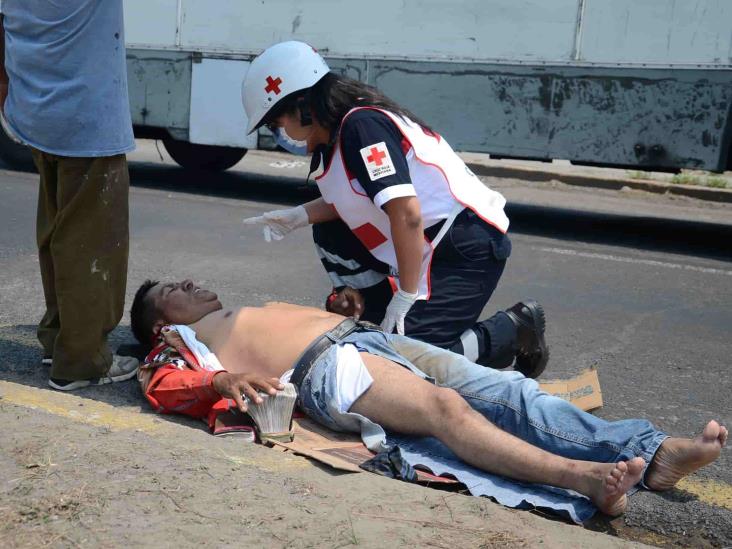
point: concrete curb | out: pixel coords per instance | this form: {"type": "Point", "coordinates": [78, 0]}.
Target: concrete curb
{"type": "Point", "coordinates": [581, 180]}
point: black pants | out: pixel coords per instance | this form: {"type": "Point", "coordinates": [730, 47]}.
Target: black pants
{"type": "Point", "coordinates": [466, 267]}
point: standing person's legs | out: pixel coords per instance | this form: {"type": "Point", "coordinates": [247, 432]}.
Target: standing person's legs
{"type": "Point", "coordinates": [83, 240]}
{"type": "Point", "coordinates": [48, 327]}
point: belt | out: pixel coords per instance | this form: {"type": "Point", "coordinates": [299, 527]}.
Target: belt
{"type": "Point", "coordinates": [316, 349]}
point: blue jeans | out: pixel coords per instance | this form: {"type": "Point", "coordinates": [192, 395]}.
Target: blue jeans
{"type": "Point", "coordinates": [507, 399]}
{"type": "Point", "coordinates": [518, 406]}
{"type": "Point", "coordinates": [317, 394]}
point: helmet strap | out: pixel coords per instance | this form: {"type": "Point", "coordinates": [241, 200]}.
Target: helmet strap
{"type": "Point", "coordinates": [316, 160]}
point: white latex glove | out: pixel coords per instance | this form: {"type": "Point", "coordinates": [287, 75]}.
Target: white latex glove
{"type": "Point", "coordinates": [397, 309]}
{"type": "Point", "coordinates": [277, 223]}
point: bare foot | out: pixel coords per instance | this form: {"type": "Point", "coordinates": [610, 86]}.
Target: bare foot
{"type": "Point", "coordinates": [678, 457]}
{"type": "Point", "coordinates": [609, 494]}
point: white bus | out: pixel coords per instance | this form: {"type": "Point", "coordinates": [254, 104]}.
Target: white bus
{"type": "Point", "coordinates": [646, 84]}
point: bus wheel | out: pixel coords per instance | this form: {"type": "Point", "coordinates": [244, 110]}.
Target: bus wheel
{"type": "Point", "coordinates": [203, 157]}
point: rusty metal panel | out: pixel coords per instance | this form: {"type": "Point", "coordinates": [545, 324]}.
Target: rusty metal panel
{"type": "Point", "coordinates": [352, 68]}
{"type": "Point", "coordinates": [661, 117]}
{"type": "Point", "coordinates": [657, 31]}
{"type": "Point", "coordinates": [160, 89]}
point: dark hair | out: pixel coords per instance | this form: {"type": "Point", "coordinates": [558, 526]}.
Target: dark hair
{"type": "Point", "coordinates": [142, 314]}
{"type": "Point", "coordinates": [333, 96]}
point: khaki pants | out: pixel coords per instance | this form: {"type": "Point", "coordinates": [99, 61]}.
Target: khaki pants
{"type": "Point", "coordinates": [83, 244]}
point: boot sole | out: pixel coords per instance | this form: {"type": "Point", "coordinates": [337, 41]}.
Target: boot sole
{"type": "Point", "coordinates": [539, 319]}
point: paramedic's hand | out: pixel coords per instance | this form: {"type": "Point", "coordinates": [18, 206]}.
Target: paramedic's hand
{"type": "Point", "coordinates": [396, 311]}
{"type": "Point", "coordinates": [277, 223]}
{"type": "Point", "coordinates": [237, 387]}
{"type": "Point", "coordinates": [347, 302]}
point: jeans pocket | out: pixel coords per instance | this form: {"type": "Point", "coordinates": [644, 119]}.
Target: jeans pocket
{"type": "Point", "coordinates": [316, 411]}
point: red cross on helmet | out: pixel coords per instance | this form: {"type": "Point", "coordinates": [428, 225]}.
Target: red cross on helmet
{"type": "Point", "coordinates": [277, 72]}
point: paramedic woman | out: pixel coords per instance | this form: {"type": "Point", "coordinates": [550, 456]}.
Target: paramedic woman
{"type": "Point", "coordinates": [409, 236]}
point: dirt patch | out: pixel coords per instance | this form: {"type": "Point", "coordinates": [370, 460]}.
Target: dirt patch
{"type": "Point", "coordinates": [65, 483]}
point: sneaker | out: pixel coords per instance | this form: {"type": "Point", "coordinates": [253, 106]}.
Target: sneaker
{"type": "Point", "coordinates": [532, 353]}
{"type": "Point", "coordinates": [122, 369]}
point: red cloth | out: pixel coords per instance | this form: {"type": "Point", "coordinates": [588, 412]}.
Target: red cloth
{"type": "Point", "coordinates": [174, 383]}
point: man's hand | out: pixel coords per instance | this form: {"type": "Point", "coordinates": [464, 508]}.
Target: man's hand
{"type": "Point", "coordinates": [397, 310]}
{"type": "Point", "coordinates": [347, 302]}
{"type": "Point", "coordinates": [276, 224]}
{"type": "Point", "coordinates": [239, 386]}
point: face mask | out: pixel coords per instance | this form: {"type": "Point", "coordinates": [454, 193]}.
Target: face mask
{"type": "Point", "coordinates": [289, 144]}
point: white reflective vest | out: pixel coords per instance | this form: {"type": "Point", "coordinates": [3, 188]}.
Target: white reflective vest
{"type": "Point", "coordinates": [442, 182]}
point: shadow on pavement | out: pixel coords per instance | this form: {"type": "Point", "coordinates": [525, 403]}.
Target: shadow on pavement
{"type": "Point", "coordinates": [20, 356]}
{"type": "Point", "coordinates": [692, 238]}
{"type": "Point", "coordinates": [700, 239]}
{"type": "Point", "coordinates": [245, 186]}
{"type": "Point", "coordinates": [20, 362]}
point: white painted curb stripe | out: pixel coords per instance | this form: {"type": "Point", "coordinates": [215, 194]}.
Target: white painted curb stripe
{"type": "Point", "coordinates": [651, 262]}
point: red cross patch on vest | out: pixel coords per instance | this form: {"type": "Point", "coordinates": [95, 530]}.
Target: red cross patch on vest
{"type": "Point", "coordinates": [377, 160]}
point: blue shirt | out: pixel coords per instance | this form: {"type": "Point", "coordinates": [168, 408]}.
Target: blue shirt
{"type": "Point", "coordinates": [67, 71]}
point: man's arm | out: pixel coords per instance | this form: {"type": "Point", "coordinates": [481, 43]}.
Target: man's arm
{"type": "Point", "coordinates": [189, 392]}
{"type": "Point", "coordinates": [194, 393]}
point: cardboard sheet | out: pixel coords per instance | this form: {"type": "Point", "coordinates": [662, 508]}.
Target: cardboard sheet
{"type": "Point", "coordinates": [582, 390]}
{"type": "Point", "coordinates": [342, 451]}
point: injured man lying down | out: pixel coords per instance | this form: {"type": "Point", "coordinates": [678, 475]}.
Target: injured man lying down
{"type": "Point", "coordinates": [492, 429]}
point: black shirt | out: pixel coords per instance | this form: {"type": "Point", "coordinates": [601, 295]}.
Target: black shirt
{"type": "Point", "coordinates": [374, 151]}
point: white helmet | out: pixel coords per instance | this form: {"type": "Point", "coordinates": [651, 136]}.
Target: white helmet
{"type": "Point", "coordinates": [277, 72]}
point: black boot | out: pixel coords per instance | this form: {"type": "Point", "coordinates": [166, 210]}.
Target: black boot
{"type": "Point", "coordinates": [532, 353]}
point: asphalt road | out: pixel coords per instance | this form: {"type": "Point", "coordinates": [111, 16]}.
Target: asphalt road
{"type": "Point", "coordinates": [637, 286]}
